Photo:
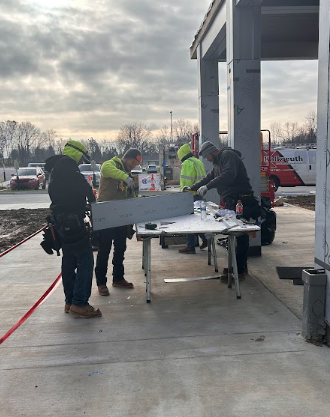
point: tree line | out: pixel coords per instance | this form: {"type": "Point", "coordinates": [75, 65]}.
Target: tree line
{"type": "Point", "coordinates": [293, 133]}
{"type": "Point", "coordinates": [26, 143]}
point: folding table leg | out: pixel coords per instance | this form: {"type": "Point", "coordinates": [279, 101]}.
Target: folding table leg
{"type": "Point", "coordinates": [233, 265]}
{"type": "Point", "coordinates": [214, 253]}
{"type": "Point", "coordinates": [230, 264]}
{"type": "Point", "coordinates": [148, 268]}
{"type": "Point", "coordinates": [209, 250]}
{"type": "Point", "coordinates": [143, 254]}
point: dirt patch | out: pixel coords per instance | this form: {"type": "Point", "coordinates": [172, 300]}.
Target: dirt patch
{"type": "Point", "coordinates": [16, 225]}
{"type": "Point", "coordinates": [304, 201]}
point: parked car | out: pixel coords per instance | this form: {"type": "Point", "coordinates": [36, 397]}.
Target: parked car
{"type": "Point", "coordinates": [152, 169]}
{"type": "Point", "coordinates": [39, 165]}
{"type": "Point", "coordinates": [86, 170]}
{"type": "Point", "coordinates": [137, 170]}
{"type": "Point", "coordinates": [28, 177]}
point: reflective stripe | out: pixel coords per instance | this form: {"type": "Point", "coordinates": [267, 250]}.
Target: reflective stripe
{"type": "Point", "coordinates": [186, 177]}
{"type": "Point", "coordinates": [199, 174]}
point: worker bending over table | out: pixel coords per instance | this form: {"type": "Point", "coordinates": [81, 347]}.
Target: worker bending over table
{"type": "Point", "coordinates": [230, 178]}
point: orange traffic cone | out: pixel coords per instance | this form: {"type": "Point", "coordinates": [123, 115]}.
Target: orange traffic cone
{"type": "Point", "coordinates": [152, 183]}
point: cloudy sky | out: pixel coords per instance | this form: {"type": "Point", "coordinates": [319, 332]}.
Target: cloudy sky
{"type": "Point", "coordinates": [84, 68]}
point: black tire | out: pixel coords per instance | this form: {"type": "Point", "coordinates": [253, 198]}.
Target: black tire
{"type": "Point", "coordinates": [44, 185]}
{"type": "Point", "coordinates": [276, 182]}
{"type": "Point", "coordinates": [268, 226]}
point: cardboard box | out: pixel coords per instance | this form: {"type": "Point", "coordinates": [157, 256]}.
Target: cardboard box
{"type": "Point", "coordinates": [137, 210]}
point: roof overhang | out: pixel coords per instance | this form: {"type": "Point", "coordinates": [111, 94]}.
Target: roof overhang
{"type": "Point", "coordinates": [289, 30]}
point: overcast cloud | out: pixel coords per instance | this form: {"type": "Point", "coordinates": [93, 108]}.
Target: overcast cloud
{"type": "Point", "coordinates": [84, 68]}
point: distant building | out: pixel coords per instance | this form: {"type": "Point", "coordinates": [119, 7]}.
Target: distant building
{"type": "Point", "coordinates": [150, 159]}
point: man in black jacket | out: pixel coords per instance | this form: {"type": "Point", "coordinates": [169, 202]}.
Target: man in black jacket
{"type": "Point", "coordinates": [68, 190]}
{"type": "Point", "coordinates": [230, 178]}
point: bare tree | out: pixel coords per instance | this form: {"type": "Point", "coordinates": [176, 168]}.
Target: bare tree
{"type": "Point", "coordinates": [277, 134]}
{"type": "Point", "coordinates": [290, 130]}
{"type": "Point", "coordinates": [8, 136]}
{"type": "Point", "coordinates": [49, 138]}
{"type": "Point", "coordinates": [183, 131]}
{"type": "Point", "coordinates": [28, 137]}
{"type": "Point", "coordinates": [133, 135]}
{"type": "Point", "coordinates": [163, 138]}
{"type": "Point", "coordinates": [59, 145]}
{"type": "Point", "coordinates": [311, 127]}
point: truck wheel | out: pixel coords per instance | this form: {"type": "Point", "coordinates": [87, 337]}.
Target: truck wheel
{"type": "Point", "coordinates": [276, 182]}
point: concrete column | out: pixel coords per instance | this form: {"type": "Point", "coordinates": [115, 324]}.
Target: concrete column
{"type": "Point", "coordinates": [208, 103]}
{"type": "Point", "coordinates": [243, 39]}
{"type": "Point", "coordinates": [322, 211]}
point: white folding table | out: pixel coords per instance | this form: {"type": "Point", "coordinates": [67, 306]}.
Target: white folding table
{"type": "Point", "coordinates": [192, 224]}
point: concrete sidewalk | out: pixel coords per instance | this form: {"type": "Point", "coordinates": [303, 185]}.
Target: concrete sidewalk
{"type": "Point", "coordinates": [194, 351]}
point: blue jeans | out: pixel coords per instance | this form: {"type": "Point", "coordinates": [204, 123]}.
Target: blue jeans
{"type": "Point", "coordinates": [191, 240]}
{"type": "Point", "coordinates": [77, 276]}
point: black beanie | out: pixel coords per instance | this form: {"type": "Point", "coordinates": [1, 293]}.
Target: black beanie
{"type": "Point", "coordinates": [133, 153]}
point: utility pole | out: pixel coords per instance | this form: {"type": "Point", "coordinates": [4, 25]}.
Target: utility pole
{"type": "Point", "coordinates": [4, 169]}
{"type": "Point", "coordinates": [171, 128]}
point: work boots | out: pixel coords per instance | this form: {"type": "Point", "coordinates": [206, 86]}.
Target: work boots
{"type": "Point", "coordinates": [103, 290]}
{"type": "Point", "coordinates": [85, 312]}
{"type": "Point", "coordinates": [123, 284]}
{"type": "Point", "coordinates": [188, 251]}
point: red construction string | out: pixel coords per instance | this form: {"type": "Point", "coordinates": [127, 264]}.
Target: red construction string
{"type": "Point", "coordinates": [18, 244]}
{"type": "Point", "coordinates": [32, 310]}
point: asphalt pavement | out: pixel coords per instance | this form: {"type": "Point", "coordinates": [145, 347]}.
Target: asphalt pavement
{"type": "Point", "coordinates": [40, 199]}
{"type": "Point", "coordinates": [21, 199]}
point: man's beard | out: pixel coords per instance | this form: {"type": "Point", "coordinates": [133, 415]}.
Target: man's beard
{"type": "Point", "coordinates": [214, 159]}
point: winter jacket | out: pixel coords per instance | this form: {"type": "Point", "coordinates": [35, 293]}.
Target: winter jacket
{"type": "Point", "coordinates": [68, 188]}
{"type": "Point", "coordinates": [112, 185]}
{"type": "Point", "coordinates": [228, 175]}
{"type": "Point", "coordinates": [192, 169]}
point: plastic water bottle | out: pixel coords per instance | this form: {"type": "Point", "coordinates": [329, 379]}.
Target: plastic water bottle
{"type": "Point", "coordinates": [239, 209]}
{"type": "Point", "coordinates": [203, 210]}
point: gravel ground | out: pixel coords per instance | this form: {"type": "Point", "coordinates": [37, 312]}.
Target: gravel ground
{"type": "Point", "coordinates": [16, 225]}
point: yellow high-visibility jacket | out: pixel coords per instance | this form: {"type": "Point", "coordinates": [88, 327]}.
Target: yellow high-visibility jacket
{"type": "Point", "coordinates": [192, 170]}
{"type": "Point", "coordinates": [112, 186]}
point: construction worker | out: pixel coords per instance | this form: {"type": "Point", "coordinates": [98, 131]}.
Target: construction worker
{"type": "Point", "coordinates": [115, 184]}
{"type": "Point", "coordinates": [68, 190]}
{"type": "Point", "coordinates": [230, 178]}
{"type": "Point", "coordinates": [192, 171]}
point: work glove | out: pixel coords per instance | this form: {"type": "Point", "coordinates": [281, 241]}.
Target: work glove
{"type": "Point", "coordinates": [202, 190]}
{"type": "Point", "coordinates": [186, 188]}
{"type": "Point", "coordinates": [129, 182]}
